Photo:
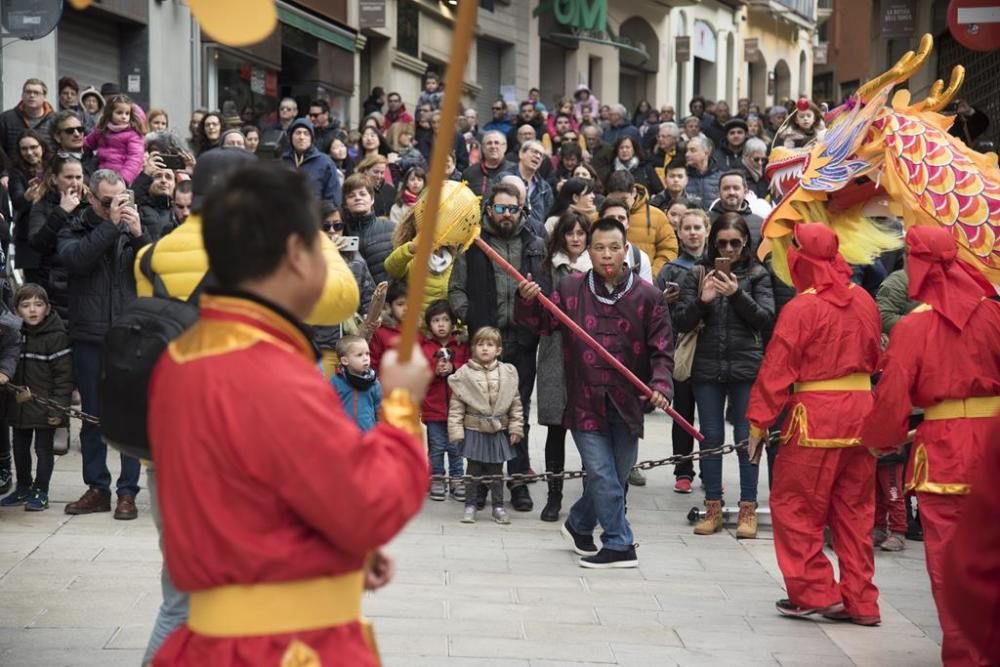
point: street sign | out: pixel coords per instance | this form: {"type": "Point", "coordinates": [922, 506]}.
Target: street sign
{"type": "Point", "coordinates": [975, 24]}
{"type": "Point", "coordinates": [29, 19]}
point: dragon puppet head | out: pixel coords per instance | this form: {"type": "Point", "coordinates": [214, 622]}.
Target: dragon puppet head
{"type": "Point", "coordinates": [888, 161]}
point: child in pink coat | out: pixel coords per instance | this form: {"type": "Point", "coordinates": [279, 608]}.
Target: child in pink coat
{"type": "Point", "coordinates": [118, 139]}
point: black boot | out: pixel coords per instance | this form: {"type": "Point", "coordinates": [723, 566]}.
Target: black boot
{"type": "Point", "coordinates": [554, 503]}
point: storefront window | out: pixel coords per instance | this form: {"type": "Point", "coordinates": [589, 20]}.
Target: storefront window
{"type": "Point", "coordinates": [246, 93]}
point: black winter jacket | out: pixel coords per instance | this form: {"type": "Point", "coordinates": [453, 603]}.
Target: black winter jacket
{"type": "Point", "coordinates": [47, 368]}
{"type": "Point", "coordinates": [10, 342]}
{"type": "Point", "coordinates": [374, 241]}
{"type": "Point", "coordinates": [13, 124]}
{"type": "Point", "coordinates": [44, 222]}
{"type": "Point", "coordinates": [27, 258]}
{"type": "Point", "coordinates": [99, 256]}
{"type": "Point", "coordinates": [731, 345]}
{"type": "Point", "coordinates": [704, 187]}
{"type": "Point", "coordinates": [157, 216]}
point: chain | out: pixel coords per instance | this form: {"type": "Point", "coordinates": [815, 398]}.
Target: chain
{"type": "Point", "coordinates": [523, 478]}
{"type": "Point", "coordinates": [23, 394]}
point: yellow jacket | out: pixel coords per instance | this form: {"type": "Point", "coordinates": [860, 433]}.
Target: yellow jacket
{"type": "Point", "coordinates": [397, 265]}
{"type": "Point", "coordinates": [180, 261]}
{"type": "Point", "coordinates": [651, 231]}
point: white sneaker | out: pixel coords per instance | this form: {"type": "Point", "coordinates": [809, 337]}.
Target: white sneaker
{"type": "Point", "coordinates": [470, 514]}
{"type": "Point", "coordinates": [500, 515]}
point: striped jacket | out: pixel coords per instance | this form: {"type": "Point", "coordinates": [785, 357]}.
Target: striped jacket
{"type": "Point", "coordinates": [46, 367]}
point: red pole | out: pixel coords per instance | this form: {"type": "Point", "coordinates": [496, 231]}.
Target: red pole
{"type": "Point", "coordinates": [587, 338]}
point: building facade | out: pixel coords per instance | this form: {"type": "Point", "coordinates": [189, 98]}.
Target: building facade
{"type": "Point", "coordinates": [778, 50]}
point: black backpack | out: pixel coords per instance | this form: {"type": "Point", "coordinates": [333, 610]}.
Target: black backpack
{"type": "Point", "coordinates": [131, 349]}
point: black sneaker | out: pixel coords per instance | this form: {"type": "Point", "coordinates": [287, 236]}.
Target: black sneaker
{"type": "Point", "coordinates": [583, 545]}
{"type": "Point", "coordinates": [520, 499]}
{"type": "Point", "coordinates": [6, 481]}
{"type": "Point", "coordinates": [606, 559]}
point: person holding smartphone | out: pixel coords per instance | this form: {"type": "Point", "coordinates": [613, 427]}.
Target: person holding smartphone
{"type": "Point", "coordinates": [734, 302]}
{"type": "Point", "coordinates": [692, 231]}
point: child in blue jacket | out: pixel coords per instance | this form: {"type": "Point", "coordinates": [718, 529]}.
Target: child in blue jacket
{"type": "Point", "coordinates": [355, 382]}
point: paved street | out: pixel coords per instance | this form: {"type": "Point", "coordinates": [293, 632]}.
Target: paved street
{"type": "Point", "coordinates": [80, 591]}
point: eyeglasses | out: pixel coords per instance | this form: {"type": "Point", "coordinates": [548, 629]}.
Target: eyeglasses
{"type": "Point", "coordinates": [31, 91]}
{"type": "Point", "coordinates": [758, 160]}
{"type": "Point", "coordinates": [315, 115]}
{"type": "Point", "coordinates": [76, 129]}
{"type": "Point", "coordinates": [286, 108]}
{"type": "Point", "coordinates": [509, 209]}
{"type": "Point", "coordinates": [722, 244]}
{"type": "Point", "coordinates": [334, 226]}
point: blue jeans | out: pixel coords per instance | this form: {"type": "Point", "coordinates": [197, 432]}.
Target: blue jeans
{"type": "Point", "coordinates": [710, 398]}
{"type": "Point", "coordinates": [173, 611]}
{"type": "Point", "coordinates": [86, 371]}
{"type": "Point", "coordinates": [438, 446]}
{"type": "Point", "coordinates": [608, 457]}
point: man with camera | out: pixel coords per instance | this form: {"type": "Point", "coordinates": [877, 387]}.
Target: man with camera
{"type": "Point", "coordinates": [98, 246]}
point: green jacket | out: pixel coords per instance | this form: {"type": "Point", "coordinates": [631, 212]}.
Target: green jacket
{"type": "Point", "coordinates": [893, 300]}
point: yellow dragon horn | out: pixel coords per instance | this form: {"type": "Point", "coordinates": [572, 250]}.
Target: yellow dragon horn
{"type": "Point", "coordinates": [901, 71]}
{"type": "Point", "coordinates": [938, 99]}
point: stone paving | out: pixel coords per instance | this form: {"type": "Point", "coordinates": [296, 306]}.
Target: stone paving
{"type": "Point", "coordinates": [81, 591]}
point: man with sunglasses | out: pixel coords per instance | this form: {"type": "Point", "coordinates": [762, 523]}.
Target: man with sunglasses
{"type": "Point", "coordinates": [733, 199]}
{"type": "Point", "coordinates": [67, 130]}
{"type": "Point", "coordinates": [482, 294]}
{"type": "Point", "coordinates": [500, 122]}
{"type": "Point", "coordinates": [325, 127]}
{"type": "Point", "coordinates": [32, 112]}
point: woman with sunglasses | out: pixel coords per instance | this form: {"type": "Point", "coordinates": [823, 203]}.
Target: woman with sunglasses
{"type": "Point", "coordinates": [326, 337]}
{"type": "Point", "coordinates": [733, 307]}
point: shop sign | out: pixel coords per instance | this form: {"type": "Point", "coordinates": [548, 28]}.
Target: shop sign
{"type": "Point", "coordinates": [898, 18]}
{"type": "Point", "coordinates": [682, 48]}
{"type": "Point", "coordinates": [751, 50]}
{"type": "Point", "coordinates": [587, 21]}
{"type": "Point", "coordinates": [372, 14]}
{"type": "Point", "coordinates": [820, 53]}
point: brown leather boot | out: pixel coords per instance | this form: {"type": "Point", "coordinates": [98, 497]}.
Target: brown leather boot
{"type": "Point", "coordinates": [746, 528]}
{"type": "Point", "coordinates": [712, 523]}
{"type": "Point", "coordinates": [125, 509]}
{"type": "Point", "coordinates": [90, 502]}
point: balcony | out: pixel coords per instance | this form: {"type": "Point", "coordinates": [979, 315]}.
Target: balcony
{"type": "Point", "coordinates": [824, 9]}
{"type": "Point", "coordinates": [799, 12]}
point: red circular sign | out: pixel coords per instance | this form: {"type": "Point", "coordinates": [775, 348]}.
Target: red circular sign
{"type": "Point", "coordinates": [975, 24]}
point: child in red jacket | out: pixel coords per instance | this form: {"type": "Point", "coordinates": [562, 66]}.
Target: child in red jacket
{"type": "Point", "coordinates": [445, 354]}
{"type": "Point", "coordinates": [387, 335]}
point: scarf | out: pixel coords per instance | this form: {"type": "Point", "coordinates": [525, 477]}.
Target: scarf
{"type": "Point", "coordinates": [439, 261]}
{"type": "Point", "coordinates": [360, 382]}
{"type": "Point", "coordinates": [753, 168]}
{"type": "Point", "coordinates": [409, 198]}
{"type": "Point", "coordinates": [620, 290]}
{"type": "Point", "coordinates": [627, 166]}
{"type": "Point", "coordinates": [816, 264]}
{"type": "Point", "coordinates": [939, 278]}
{"type": "Point", "coordinates": [116, 127]}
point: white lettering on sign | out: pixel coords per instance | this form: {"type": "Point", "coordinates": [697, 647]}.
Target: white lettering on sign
{"type": "Point", "coordinates": [978, 15]}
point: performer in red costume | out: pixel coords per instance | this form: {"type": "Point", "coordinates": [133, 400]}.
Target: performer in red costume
{"type": "Point", "coordinates": [274, 505]}
{"type": "Point", "coordinates": [972, 560]}
{"type": "Point", "coordinates": [942, 357]}
{"type": "Point", "coordinates": [825, 347]}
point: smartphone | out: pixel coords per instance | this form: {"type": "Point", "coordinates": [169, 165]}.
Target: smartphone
{"type": "Point", "coordinates": [351, 243]}
{"type": "Point", "coordinates": [173, 161]}
{"type": "Point", "coordinates": [723, 265]}
{"type": "Point", "coordinates": [130, 197]}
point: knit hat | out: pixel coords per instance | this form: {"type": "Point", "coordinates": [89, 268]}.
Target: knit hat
{"type": "Point", "coordinates": [108, 89]}
{"type": "Point", "coordinates": [735, 122]}
{"type": "Point", "coordinates": [939, 278]}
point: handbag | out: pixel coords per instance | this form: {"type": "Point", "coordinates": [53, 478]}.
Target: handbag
{"type": "Point", "coordinates": [687, 342]}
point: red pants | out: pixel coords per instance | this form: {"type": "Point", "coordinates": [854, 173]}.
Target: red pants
{"type": "Point", "coordinates": [939, 516]}
{"type": "Point", "coordinates": [815, 487]}
{"type": "Point", "coordinates": [890, 505]}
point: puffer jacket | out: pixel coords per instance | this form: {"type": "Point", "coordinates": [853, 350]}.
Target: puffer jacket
{"type": "Point", "coordinates": [704, 186]}
{"type": "Point", "coordinates": [180, 261]}
{"type": "Point", "coordinates": [651, 231]}
{"type": "Point", "coordinates": [121, 151]}
{"type": "Point", "coordinates": [13, 123]}
{"type": "Point", "coordinates": [361, 405]}
{"type": "Point", "coordinates": [47, 368]}
{"type": "Point", "coordinates": [755, 223]}
{"type": "Point", "coordinates": [374, 241]}
{"type": "Point", "coordinates": [10, 341]}
{"type": "Point", "coordinates": [44, 223]}
{"type": "Point", "coordinates": [485, 397]}
{"type": "Point", "coordinates": [397, 265]}
{"type": "Point", "coordinates": [731, 345]}
{"type": "Point", "coordinates": [157, 215]}
{"type": "Point", "coordinates": [98, 255]}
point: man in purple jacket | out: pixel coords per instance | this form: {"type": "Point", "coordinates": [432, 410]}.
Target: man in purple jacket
{"type": "Point", "coordinates": [629, 317]}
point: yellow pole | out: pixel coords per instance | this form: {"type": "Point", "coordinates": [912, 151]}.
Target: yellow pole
{"type": "Point", "coordinates": [465, 25]}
